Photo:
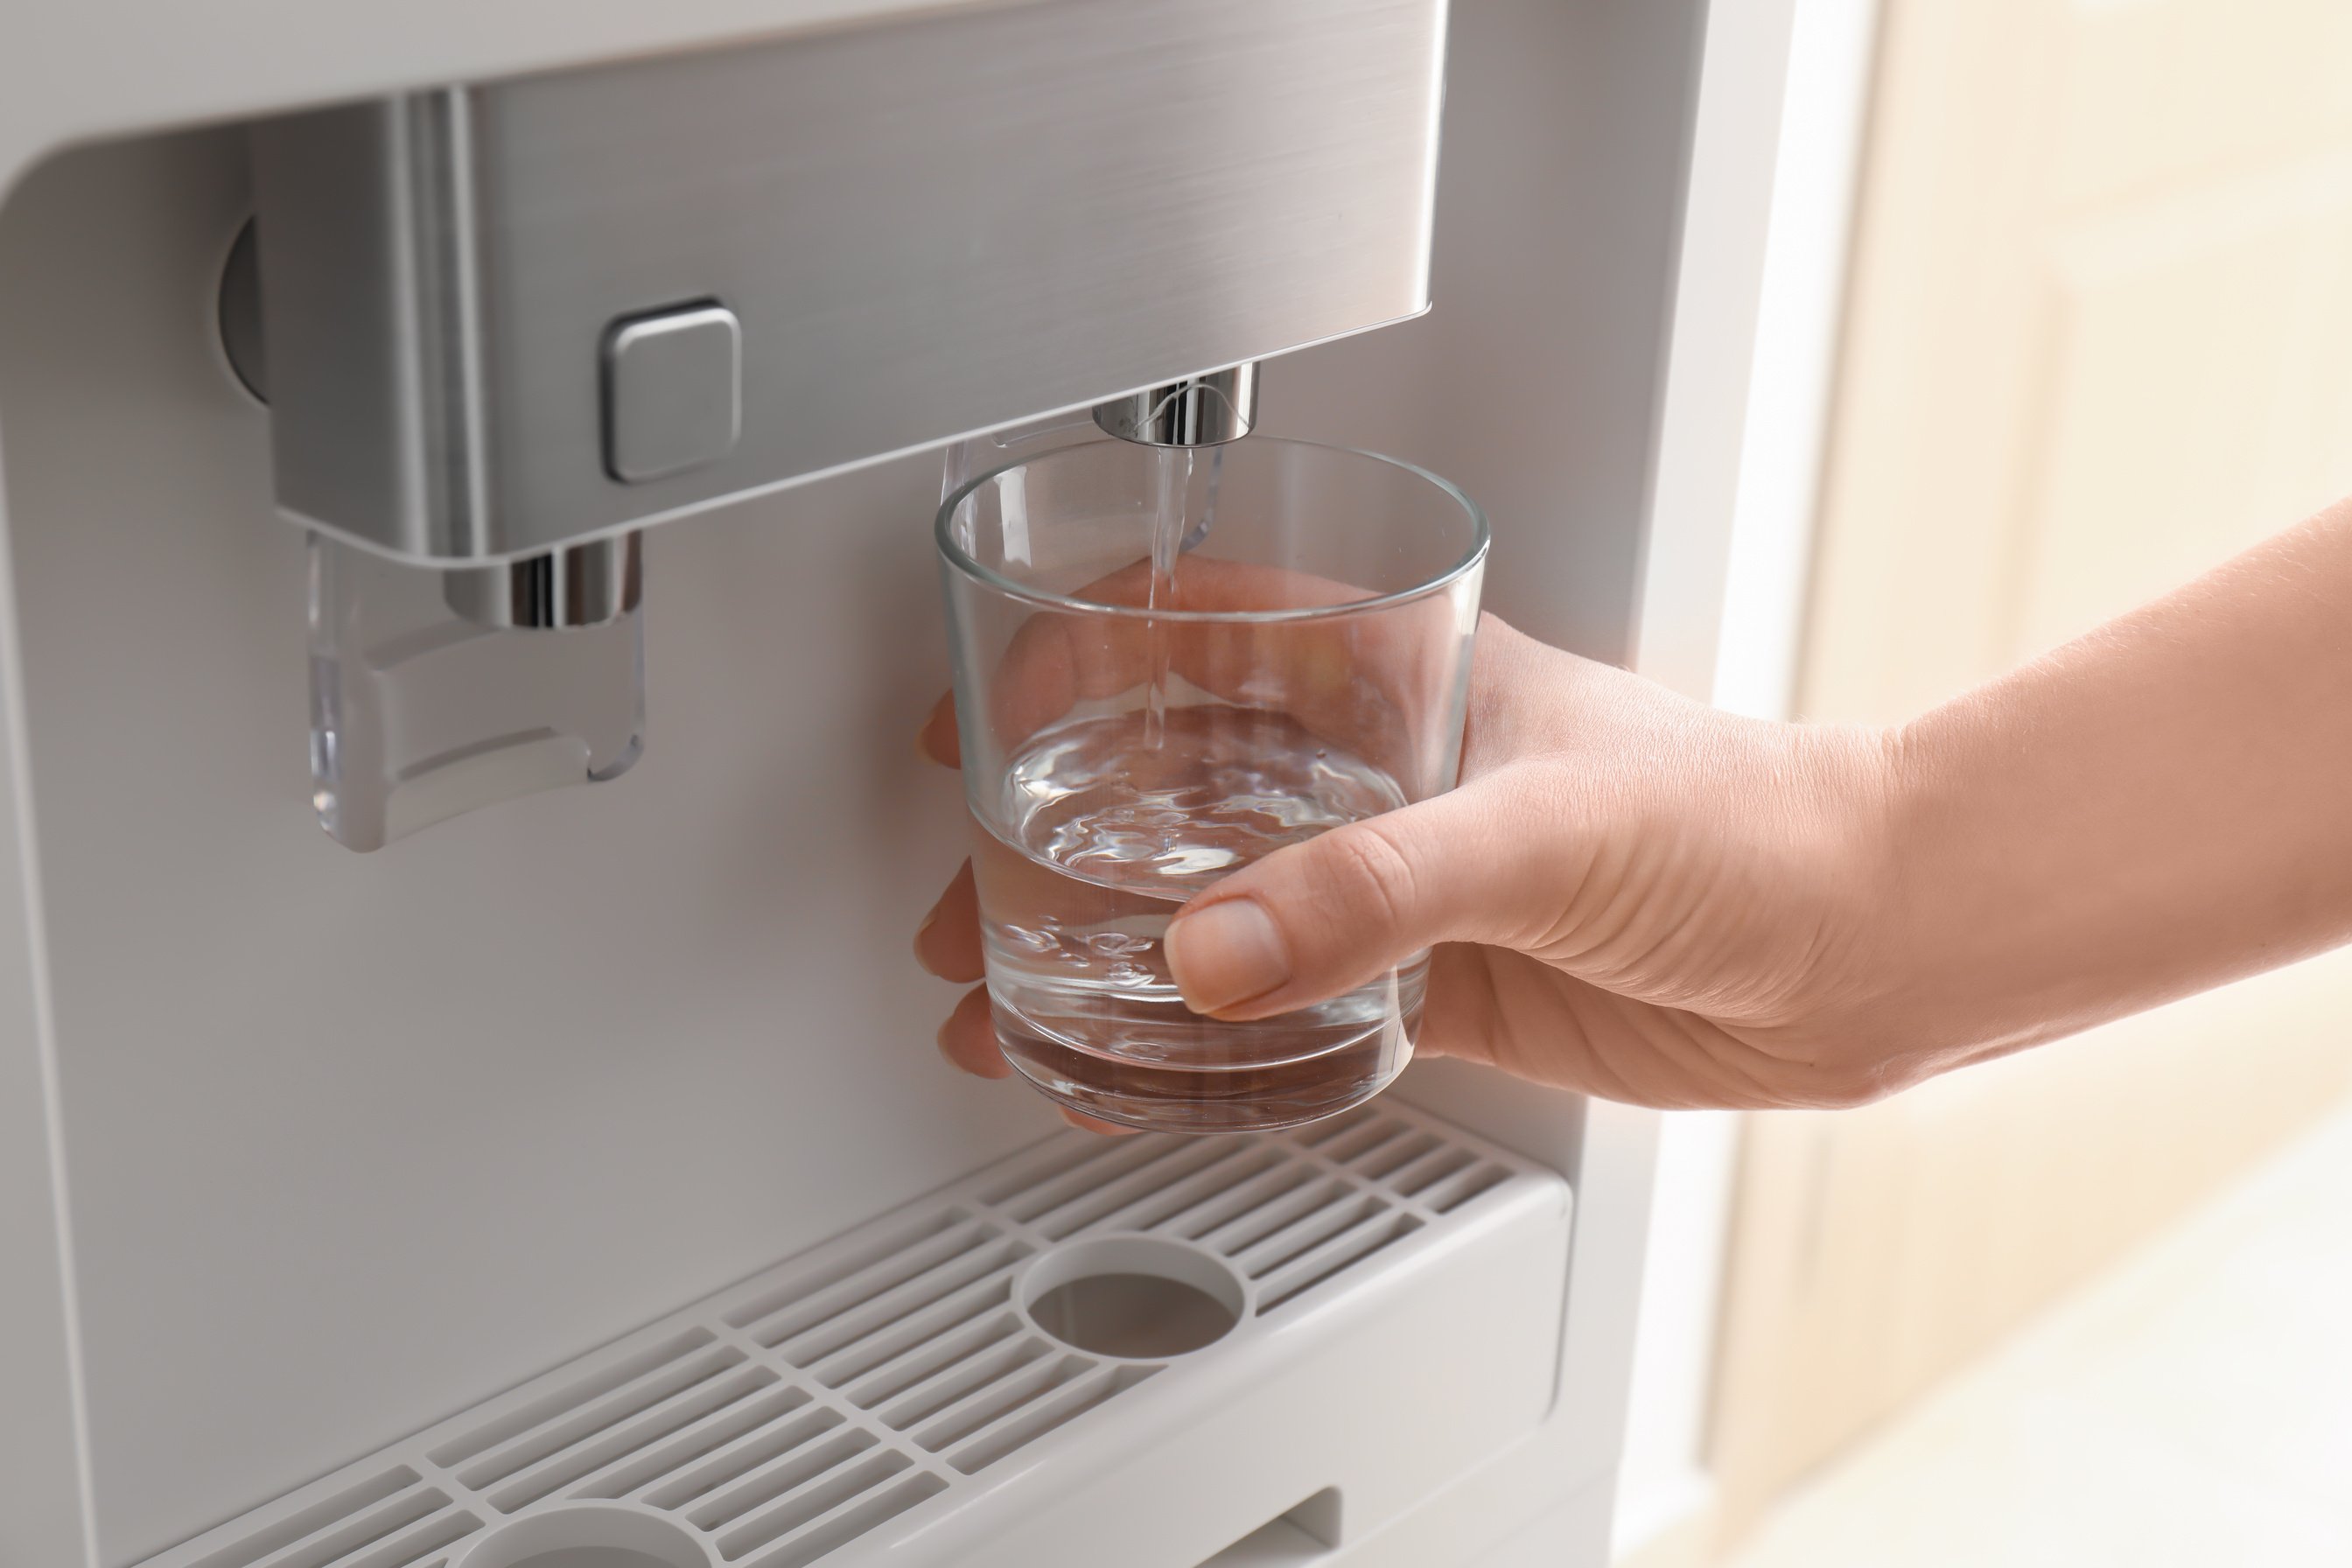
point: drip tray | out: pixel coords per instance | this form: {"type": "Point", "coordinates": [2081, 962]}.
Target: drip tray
{"type": "Point", "coordinates": [1150, 1344]}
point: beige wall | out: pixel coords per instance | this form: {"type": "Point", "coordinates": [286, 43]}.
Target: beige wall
{"type": "Point", "coordinates": [2099, 336]}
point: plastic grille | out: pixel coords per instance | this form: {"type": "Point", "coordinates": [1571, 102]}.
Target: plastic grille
{"type": "Point", "coordinates": [806, 1408]}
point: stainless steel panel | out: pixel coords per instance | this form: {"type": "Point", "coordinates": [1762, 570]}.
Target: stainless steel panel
{"type": "Point", "coordinates": [926, 229]}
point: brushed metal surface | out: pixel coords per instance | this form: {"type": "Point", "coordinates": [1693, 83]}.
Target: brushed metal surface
{"type": "Point", "coordinates": [926, 229]}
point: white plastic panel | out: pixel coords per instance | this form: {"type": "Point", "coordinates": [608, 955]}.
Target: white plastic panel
{"type": "Point", "coordinates": [595, 1053]}
{"type": "Point", "coordinates": [486, 1097]}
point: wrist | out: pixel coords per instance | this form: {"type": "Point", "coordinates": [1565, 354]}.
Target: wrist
{"type": "Point", "coordinates": [1916, 896]}
{"type": "Point", "coordinates": [1864, 1021]}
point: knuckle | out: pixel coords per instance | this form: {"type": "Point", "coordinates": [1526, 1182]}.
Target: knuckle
{"type": "Point", "coordinates": [1374, 876]}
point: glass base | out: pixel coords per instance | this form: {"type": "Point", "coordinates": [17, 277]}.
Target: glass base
{"type": "Point", "coordinates": [1153, 1098]}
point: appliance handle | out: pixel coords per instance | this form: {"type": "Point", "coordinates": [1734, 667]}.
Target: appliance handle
{"type": "Point", "coordinates": [1296, 1538]}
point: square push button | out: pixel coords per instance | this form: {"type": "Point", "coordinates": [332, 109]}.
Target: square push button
{"type": "Point", "coordinates": [673, 391]}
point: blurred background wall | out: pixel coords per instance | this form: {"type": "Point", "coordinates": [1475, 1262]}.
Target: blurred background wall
{"type": "Point", "coordinates": [2060, 314]}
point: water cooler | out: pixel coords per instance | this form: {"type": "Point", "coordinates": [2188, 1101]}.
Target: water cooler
{"type": "Point", "coordinates": [507, 437]}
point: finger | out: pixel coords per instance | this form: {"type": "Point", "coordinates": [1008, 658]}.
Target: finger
{"type": "Point", "coordinates": [1482, 864]}
{"type": "Point", "coordinates": [968, 1040]}
{"type": "Point", "coordinates": [938, 739]}
{"type": "Point", "coordinates": [948, 942]}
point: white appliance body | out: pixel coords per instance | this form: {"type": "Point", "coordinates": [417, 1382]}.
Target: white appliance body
{"type": "Point", "coordinates": [355, 1210]}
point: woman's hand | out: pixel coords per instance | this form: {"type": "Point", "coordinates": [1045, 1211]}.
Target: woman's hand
{"type": "Point", "coordinates": [1629, 894]}
{"type": "Point", "coordinates": [1638, 897]}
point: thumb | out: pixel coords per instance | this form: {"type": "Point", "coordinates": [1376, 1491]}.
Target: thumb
{"type": "Point", "coordinates": [1347, 906]}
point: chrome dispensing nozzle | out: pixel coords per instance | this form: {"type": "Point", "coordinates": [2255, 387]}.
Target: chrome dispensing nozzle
{"type": "Point", "coordinates": [1199, 411]}
{"type": "Point", "coordinates": [586, 585]}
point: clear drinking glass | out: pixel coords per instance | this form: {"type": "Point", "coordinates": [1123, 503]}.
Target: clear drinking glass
{"type": "Point", "coordinates": [1168, 664]}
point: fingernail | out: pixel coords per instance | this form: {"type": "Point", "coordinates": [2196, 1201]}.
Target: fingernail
{"type": "Point", "coordinates": [1226, 955]}
{"type": "Point", "coordinates": [923, 930]}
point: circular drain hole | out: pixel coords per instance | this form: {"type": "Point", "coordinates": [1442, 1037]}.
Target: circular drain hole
{"type": "Point", "coordinates": [588, 1538]}
{"type": "Point", "coordinates": [1133, 1297]}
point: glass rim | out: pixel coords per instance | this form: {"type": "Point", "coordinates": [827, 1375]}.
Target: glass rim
{"type": "Point", "coordinates": [962, 559]}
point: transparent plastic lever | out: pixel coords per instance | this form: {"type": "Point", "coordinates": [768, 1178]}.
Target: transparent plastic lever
{"type": "Point", "coordinates": [419, 713]}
